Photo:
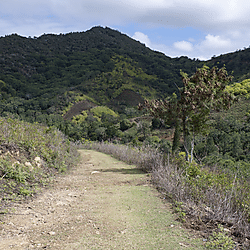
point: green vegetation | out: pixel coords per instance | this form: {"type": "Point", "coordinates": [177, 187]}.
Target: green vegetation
{"type": "Point", "coordinates": [29, 155]}
{"type": "Point", "coordinates": [220, 240]}
{"type": "Point", "coordinates": [202, 92]}
{"type": "Point", "coordinates": [240, 88]}
{"type": "Point", "coordinates": [88, 85]}
{"type": "Point", "coordinates": [102, 110]}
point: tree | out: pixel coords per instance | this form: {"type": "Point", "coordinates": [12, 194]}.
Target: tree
{"type": "Point", "coordinates": [201, 93]}
{"type": "Point", "coordinates": [176, 140]}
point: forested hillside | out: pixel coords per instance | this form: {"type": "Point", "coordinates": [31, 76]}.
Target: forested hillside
{"type": "Point", "coordinates": [35, 66]}
{"type": "Point", "coordinates": [42, 78]}
{"type": "Point", "coordinates": [88, 85]}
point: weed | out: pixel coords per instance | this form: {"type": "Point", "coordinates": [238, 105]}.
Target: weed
{"type": "Point", "coordinates": [220, 240]}
{"type": "Point", "coordinates": [25, 192]}
{"type": "Point", "coordinates": [5, 211]}
{"type": "Point", "coordinates": [178, 209]}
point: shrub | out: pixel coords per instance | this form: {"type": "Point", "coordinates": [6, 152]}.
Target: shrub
{"type": "Point", "coordinates": [21, 145]}
{"type": "Point", "coordinates": [220, 240]}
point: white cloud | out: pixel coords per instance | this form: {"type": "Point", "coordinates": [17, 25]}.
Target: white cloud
{"type": "Point", "coordinates": [139, 36]}
{"type": "Point", "coordinates": [183, 46]}
{"type": "Point", "coordinates": [225, 24]}
{"type": "Point", "coordinates": [204, 50]}
{"type": "Point", "coordinates": [208, 15]}
{"type": "Point", "coordinates": [215, 42]}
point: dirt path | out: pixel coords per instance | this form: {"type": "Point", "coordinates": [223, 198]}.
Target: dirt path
{"type": "Point", "coordinates": [101, 204]}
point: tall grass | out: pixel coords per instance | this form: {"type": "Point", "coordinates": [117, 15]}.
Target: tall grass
{"type": "Point", "coordinates": [206, 194]}
{"type": "Point", "coordinates": [145, 158]}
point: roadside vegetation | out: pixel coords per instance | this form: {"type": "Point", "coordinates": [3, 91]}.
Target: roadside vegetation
{"type": "Point", "coordinates": [30, 154]}
{"type": "Point", "coordinates": [204, 198]}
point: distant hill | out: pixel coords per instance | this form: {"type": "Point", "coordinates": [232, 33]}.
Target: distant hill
{"type": "Point", "coordinates": [32, 67]}
{"type": "Point", "coordinates": [237, 63]}
{"type": "Point", "coordinates": [36, 74]}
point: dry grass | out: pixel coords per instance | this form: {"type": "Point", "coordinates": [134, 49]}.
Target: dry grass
{"type": "Point", "coordinates": [207, 199]}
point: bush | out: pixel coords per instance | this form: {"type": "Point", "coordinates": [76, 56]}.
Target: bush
{"type": "Point", "coordinates": [30, 153]}
{"type": "Point", "coordinates": [125, 124]}
{"type": "Point", "coordinates": [220, 240]}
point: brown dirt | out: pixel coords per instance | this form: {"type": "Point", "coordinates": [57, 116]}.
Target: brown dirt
{"type": "Point", "coordinates": [101, 204]}
{"type": "Point", "coordinates": [77, 108]}
{"type": "Point", "coordinates": [128, 97]}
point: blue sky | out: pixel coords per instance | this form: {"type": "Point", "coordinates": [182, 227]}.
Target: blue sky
{"type": "Point", "coordinates": [193, 28]}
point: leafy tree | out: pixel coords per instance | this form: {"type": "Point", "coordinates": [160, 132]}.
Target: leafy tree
{"type": "Point", "coordinates": [125, 124]}
{"type": "Point", "coordinates": [237, 147]}
{"type": "Point", "coordinates": [144, 129]}
{"type": "Point", "coordinates": [210, 146]}
{"type": "Point", "coordinates": [202, 92]}
{"type": "Point", "coordinates": [156, 123]}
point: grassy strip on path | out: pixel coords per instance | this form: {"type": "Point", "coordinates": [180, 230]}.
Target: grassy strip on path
{"type": "Point", "coordinates": [102, 204]}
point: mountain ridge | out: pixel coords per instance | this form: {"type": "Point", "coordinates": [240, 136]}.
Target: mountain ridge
{"type": "Point", "coordinates": [37, 74]}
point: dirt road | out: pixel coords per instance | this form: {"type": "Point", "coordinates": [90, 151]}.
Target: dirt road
{"type": "Point", "coordinates": [101, 204]}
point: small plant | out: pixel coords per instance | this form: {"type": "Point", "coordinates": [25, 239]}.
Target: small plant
{"type": "Point", "coordinates": [5, 211]}
{"type": "Point", "coordinates": [220, 240]}
{"type": "Point", "coordinates": [16, 172]}
{"type": "Point", "coordinates": [178, 209]}
{"type": "Point", "coordinates": [25, 192]}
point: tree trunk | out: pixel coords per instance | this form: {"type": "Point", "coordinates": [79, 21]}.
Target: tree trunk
{"type": "Point", "coordinates": [185, 136]}
{"type": "Point", "coordinates": [192, 149]}
{"type": "Point", "coordinates": [176, 141]}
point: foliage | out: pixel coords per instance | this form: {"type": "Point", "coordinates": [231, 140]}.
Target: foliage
{"type": "Point", "coordinates": [78, 119]}
{"type": "Point", "coordinates": [102, 110]}
{"type": "Point", "coordinates": [240, 88]}
{"type": "Point", "coordinates": [30, 154]}
{"type": "Point", "coordinates": [227, 144]}
{"type": "Point", "coordinates": [125, 124]}
{"type": "Point", "coordinates": [220, 240]}
{"type": "Point", "coordinates": [202, 92]}
{"type": "Point", "coordinates": [179, 211]}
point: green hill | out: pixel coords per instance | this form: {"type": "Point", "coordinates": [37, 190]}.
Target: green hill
{"type": "Point", "coordinates": [55, 79]}
{"type": "Point", "coordinates": [88, 85]}
{"type": "Point", "coordinates": [45, 66]}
